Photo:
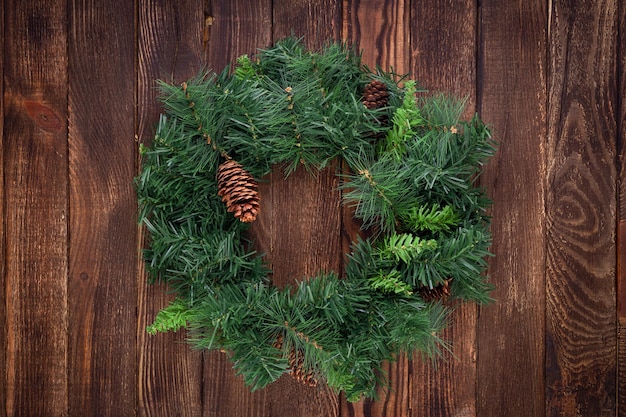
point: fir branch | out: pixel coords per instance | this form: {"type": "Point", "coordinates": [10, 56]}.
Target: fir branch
{"type": "Point", "coordinates": [404, 247]}
{"type": "Point", "coordinates": [433, 218]}
{"type": "Point", "coordinates": [171, 318]}
{"type": "Point", "coordinates": [390, 283]}
{"type": "Point", "coordinates": [406, 118]}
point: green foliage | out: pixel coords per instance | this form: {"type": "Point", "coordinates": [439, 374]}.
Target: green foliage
{"type": "Point", "coordinates": [406, 119]}
{"type": "Point", "coordinates": [433, 218]}
{"type": "Point", "coordinates": [391, 282]}
{"type": "Point", "coordinates": [171, 318]}
{"type": "Point", "coordinates": [413, 170]}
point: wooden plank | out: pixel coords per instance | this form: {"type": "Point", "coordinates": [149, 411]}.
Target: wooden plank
{"type": "Point", "coordinates": [581, 210]}
{"type": "Point", "coordinates": [35, 199]}
{"type": "Point", "coordinates": [3, 312]}
{"type": "Point", "coordinates": [621, 226]}
{"type": "Point", "coordinates": [511, 98]}
{"type": "Point", "coordinates": [170, 48]}
{"type": "Point", "coordinates": [443, 59]}
{"type": "Point", "coordinates": [103, 239]}
{"type": "Point", "coordinates": [233, 28]}
{"type": "Point", "coordinates": [304, 219]}
{"type": "Point", "coordinates": [380, 30]}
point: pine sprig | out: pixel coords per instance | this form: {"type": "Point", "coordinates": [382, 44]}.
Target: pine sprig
{"type": "Point", "coordinates": [404, 247]}
{"type": "Point", "coordinates": [406, 119]}
{"type": "Point", "coordinates": [391, 282]}
{"type": "Point", "coordinates": [433, 218]}
{"type": "Point", "coordinates": [171, 318]}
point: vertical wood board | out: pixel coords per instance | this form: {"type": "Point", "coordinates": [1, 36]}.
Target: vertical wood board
{"type": "Point", "coordinates": [234, 28]}
{"type": "Point", "coordinates": [170, 48]}
{"type": "Point", "coordinates": [511, 97]}
{"type": "Point", "coordinates": [621, 229]}
{"type": "Point", "coordinates": [581, 210]}
{"type": "Point", "coordinates": [443, 60]}
{"type": "Point", "coordinates": [3, 311]}
{"type": "Point", "coordinates": [305, 217]}
{"type": "Point", "coordinates": [103, 248]}
{"type": "Point", "coordinates": [379, 30]}
{"type": "Point", "coordinates": [35, 198]}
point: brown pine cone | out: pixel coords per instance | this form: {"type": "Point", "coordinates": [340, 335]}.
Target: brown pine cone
{"type": "Point", "coordinates": [439, 292]}
{"type": "Point", "coordinates": [375, 95]}
{"type": "Point", "coordinates": [296, 365]}
{"type": "Point", "coordinates": [239, 191]}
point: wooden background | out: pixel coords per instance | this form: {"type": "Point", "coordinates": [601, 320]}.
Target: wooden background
{"type": "Point", "coordinates": [78, 96]}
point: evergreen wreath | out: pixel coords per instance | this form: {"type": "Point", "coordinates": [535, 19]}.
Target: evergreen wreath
{"type": "Point", "coordinates": [413, 167]}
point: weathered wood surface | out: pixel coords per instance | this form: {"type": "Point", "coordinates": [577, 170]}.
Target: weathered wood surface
{"type": "Point", "coordinates": [35, 205]}
{"type": "Point", "coordinates": [169, 47]}
{"type": "Point", "coordinates": [581, 210]}
{"type": "Point", "coordinates": [79, 95]}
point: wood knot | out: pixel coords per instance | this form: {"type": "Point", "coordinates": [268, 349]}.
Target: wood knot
{"type": "Point", "coordinates": [43, 116]}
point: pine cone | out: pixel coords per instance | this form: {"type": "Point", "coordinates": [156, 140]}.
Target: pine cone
{"type": "Point", "coordinates": [296, 365]}
{"type": "Point", "coordinates": [440, 292]}
{"type": "Point", "coordinates": [239, 191]}
{"type": "Point", "coordinates": [375, 95]}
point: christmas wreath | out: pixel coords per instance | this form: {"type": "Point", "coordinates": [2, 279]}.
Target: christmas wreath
{"type": "Point", "coordinates": [413, 166]}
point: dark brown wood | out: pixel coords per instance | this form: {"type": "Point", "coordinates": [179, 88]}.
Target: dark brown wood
{"type": "Point", "coordinates": [78, 95]}
{"type": "Point", "coordinates": [380, 31]}
{"type": "Point", "coordinates": [621, 231]}
{"type": "Point", "coordinates": [305, 217]}
{"type": "Point", "coordinates": [35, 199]}
{"type": "Point", "coordinates": [581, 210]}
{"type": "Point", "coordinates": [511, 98]}
{"type": "Point", "coordinates": [170, 48]}
{"type": "Point", "coordinates": [3, 311]}
{"type": "Point", "coordinates": [233, 28]}
{"type": "Point", "coordinates": [317, 21]}
{"type": "Point", "coordinates": [103, 240]}
{"type": "Point", "coordinates": [445, 61]}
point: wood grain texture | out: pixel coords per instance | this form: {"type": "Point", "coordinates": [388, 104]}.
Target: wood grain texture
{"type": "Point", "coordinates": [317, 21]}
{"type": "Point", "coordinates": [304, 219]}
{"type": "Point", "coordinates": [233, 28]}
{"type": "Point", "coordinates": [443, 59]}
{"type": "Point", "coordinates": [78, 92]}
{"type": "Point", "coordinates": [170, 48]}
{"type": "Point", "coordinates": [103, 249]}
{"type": "Point", "coordinates": [391, 403]}
{"type": "Point", "coordinates": [35, 199]}
{"type": "Point", "coordinates": [621, 230]}
{"type": "Point", "coordinates": [512, 99]}
{"type": "Point", "coordinates": [380, 30]}
{"type": "Point", "coordinates": [581, 210]}
{"type": "Point", "coordinates": [3, 312]}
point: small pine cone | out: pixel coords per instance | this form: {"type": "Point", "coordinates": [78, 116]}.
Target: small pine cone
{"type": "Point", "coordinates": [239, 191]}
{"type": "Point", "coordinates": [296, 365]}
{"type": "Point", "coordinates": [375, 95]}
{"type": "Point", "coordinates": [440, 292]}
